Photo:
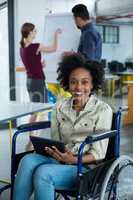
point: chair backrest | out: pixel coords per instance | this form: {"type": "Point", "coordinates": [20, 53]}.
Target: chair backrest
{"type": "Point", "coordinates": [115, 66]}
{"type": "Point", "coordinates": [114, 142]}
{"type": "Point", "coordinates": [129, 65]}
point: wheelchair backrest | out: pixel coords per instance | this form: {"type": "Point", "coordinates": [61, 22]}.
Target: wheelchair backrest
{"type": "Point", "coordinates": [114, 142]}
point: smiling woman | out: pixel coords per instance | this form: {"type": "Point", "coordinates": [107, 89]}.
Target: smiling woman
{"type": "Point", "coordinates": [75, 118]}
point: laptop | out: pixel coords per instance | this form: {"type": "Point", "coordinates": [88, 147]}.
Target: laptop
{"type": "Point", "coordinates": [40, 143]}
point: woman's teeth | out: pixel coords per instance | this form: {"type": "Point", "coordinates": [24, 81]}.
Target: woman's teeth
{"type": "Point", "coordinates": [78, 93]}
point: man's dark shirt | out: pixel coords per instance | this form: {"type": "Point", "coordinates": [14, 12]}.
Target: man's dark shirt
{"type": "Point", "coordinates": [90, 43]}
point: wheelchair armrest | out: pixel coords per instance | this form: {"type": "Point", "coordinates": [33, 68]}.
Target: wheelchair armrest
{"type": "Point", "coordinates": [91, 139]}
{"type": "Point", "coordinates": [100, 136]}
{"type": "Point", "coordinates": [34, 126]}
{"type": "Point", "coordinates": [30, 127]}
{"type": "Point", "coordinates": [26, 128]}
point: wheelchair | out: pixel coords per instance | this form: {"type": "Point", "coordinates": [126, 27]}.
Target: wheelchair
{"type": "Point", "coordinates": [102, 182]}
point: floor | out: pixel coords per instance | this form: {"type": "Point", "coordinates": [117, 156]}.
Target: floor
{"type": "Point", "coordinates": [126, 149]}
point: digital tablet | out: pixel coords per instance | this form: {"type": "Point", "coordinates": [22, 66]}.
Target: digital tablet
{"type": "Point", "coordinates": [40, 143]}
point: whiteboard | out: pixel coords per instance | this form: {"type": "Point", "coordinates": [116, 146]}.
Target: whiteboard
{"type": "Point", "coordinates": [68, 41]}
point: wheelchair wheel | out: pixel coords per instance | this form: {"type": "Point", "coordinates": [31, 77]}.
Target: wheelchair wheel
{"type": "Point", "coordinates": [118, 182]}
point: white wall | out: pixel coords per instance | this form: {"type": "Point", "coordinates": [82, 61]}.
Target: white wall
{"type": "Point", "coordinates": [122, 50]}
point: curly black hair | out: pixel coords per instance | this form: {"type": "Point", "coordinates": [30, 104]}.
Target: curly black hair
{"type": "Point", "coordinates": [73, 61]}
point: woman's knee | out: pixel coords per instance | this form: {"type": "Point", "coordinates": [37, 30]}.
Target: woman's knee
{"type": "Point", "coordinates": [43, 174]}
{"type": "Point", "coordinates": [29, 161]}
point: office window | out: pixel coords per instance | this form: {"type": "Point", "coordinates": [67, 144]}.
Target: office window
{"type": "Point", "coordinates": [100, 30]}
{"type": "Point", "coordinates": [109, 34]}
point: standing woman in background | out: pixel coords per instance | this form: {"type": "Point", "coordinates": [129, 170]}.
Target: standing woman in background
{"type": "Point", "coordinates": [31, 57]}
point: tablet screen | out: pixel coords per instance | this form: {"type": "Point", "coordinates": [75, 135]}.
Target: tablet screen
{"type": "Point", "coordinates": [40, 143]}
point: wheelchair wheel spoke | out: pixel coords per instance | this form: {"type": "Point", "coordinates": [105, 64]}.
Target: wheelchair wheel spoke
{"type": "Point", "coordinates": [118, 184]}
{"type": "Point", "coordinates": [124, 185]}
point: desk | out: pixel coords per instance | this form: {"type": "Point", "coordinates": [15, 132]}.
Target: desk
{"type": "Point", "coordinates": [14, 110]}
{"type": "Point", "coordinates": [110, 83]}
{"type": "Point", "coordinates": [126, 72]}
{"type": "Point", "coordinates": [126, 75]}
{"type": "Point", "coordinates": [127, 79]}
{"type": "Point", "coordinates": [128, 117]}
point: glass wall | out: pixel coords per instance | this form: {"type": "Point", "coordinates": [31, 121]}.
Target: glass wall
{"type": "Point", "coordinates": [4, 54]}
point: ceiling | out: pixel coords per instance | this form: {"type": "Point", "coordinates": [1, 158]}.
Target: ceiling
{"type": "Point", "coordinates": [115, 10]}
{"type": "Point", "coordinates": [111, 10]}
{"type": "Point", "coordinates": [2, 1]}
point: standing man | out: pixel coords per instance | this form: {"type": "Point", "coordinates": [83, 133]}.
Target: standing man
{"type": "Point", "coordinates": [90, 44]}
